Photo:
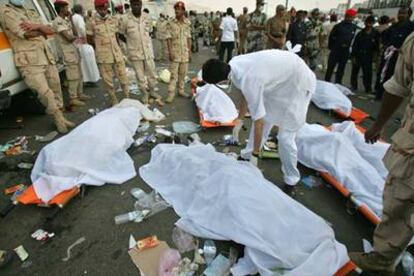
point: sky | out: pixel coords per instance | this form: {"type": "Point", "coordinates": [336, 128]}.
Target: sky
{"type": "Point", "coordinates": [237, 5]}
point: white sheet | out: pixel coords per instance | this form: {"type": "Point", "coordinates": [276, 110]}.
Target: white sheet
{"type": "Point", "coordinates": [90, 71]}
{"type": "Point", "coordinates": [215, 105]}
{"type": "Point", "coordinates": [94, 153]}
{"type": "Point", "coordinates": [222, 198]}
{"type": "Point", "coordinates": [327, 96]}
{"type": "Point", "coordinates": [347, 159]}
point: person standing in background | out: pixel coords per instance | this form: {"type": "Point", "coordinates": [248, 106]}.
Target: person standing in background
{"type": "Point", "coordinates": [205, 25]}
{"type": "Point", "coordinates": [228, 35]}
{"type": "Point", "coordinates": [242, 26]}
{"type": "Point", "coordinates": [195, 24]}
{"type": "Point", "coordinates": [215, 32]}
{"type": "Point", "coordinates": [161, 35]}
{"type": "Point", "coordinates": [314, 34]}
{"type": "Point", "coordinates": [276, 29]}
{"type": "Point", "coordinates": [256, 28]}
{"type": "Point", "coordinates": [297, 32]}
{"type": "Point", "coordinates": [327, 28]}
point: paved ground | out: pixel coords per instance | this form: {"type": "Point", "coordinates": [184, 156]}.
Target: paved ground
{"type": "Point", "coordinates": [92, 217]}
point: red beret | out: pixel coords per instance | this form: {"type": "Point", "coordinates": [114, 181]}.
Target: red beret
{"type": "Point", "coordinates": [179, 4]}
{"type": "Point", "coordinates": [99, 3]}
{"type": "Point", "coordinates": [119, 7]}
{"type": "Point", "coordinates": [351, 12]}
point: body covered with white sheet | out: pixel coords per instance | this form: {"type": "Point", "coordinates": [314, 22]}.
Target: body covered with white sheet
{"type": "Point", "coordinates": [94, 153]}
{"type": "Point", "coordinates": [328, 96]}
{"type": "Point", "coordinates": [277, 86]}
{"type": "Point", "coordinates": [215, 105]}
{"type": "Point", "coordinates": [344, 154]}
{"type": "Point", "coordinates": [221, 198]}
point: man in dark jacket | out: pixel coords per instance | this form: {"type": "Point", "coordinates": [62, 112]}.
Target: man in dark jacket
{"type": "Point", "coordinates": [366, 45]}
{"type": "Point", "coordinates": [340, 41]}
{"type": "Point", "coordinates": [297, 31]}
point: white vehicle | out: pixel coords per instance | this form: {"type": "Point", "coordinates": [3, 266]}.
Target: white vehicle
{"type": "Point", "coordinates": [11, 82]}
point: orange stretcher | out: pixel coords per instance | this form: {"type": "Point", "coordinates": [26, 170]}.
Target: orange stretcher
{"type": "Point", "coordinates": [203, 122]}
{"type": "Point", "coordinates": [361, 207]}
{"type": "Point", "coordinates": [357, 115]}
{"type": "Point", "coordinates": [29, 196]}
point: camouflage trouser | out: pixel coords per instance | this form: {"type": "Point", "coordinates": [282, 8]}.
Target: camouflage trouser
{"type": "Point", "coordinates": [312, 56]}
{"type": "Point", "coordinates": [396, 229]}
{"type": "Point", "coordinates": [107, 71]}
{"type": "Point", "coordinates": [255, 42]}
{"type": "Point", "coordinates": [74, 78]}
{"type": "Point", "coordinates": [44, 79]}
{"type": "Point", "coordinates": [194, 42]}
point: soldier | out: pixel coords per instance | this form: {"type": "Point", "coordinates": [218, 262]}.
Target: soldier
{"type": "Point", "coordinates": [119, 14]}
{"type": "Point", "coordinates": [194, 31]}
{"type": "Point", "coordinates": [102, 34]}
{"type": "Point", "coordinates": [65, 40]}
{"type": "Point", "coordinates": [33, 58]}
{"type": "Point", "coordinates": [135, 27]}
{"type": "Point", "coordinates": [242, 24]}
{"type": "Point", "coordinates": [162, 49]}
{"type": "Point", "coordinates": [297, 31]}
{"type": "Point", "coordinates": [276, 29]}
{"type": "Point", "coordinates": [179, 49]}
{"type": "Point", "coordinates": [215, 31]}
{"type": "Point", "coordinates": [256, 28]}
{"type": "Point", "coordinates": [314, 36]}
{"type": "Point", "coordinates": [396, 229]}
{"type": "Point", "coordinates": [206, 30]}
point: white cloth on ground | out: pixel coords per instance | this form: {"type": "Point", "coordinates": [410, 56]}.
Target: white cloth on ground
{"type": "Point", "coordinates": [94, 153]}
{"type": "Point", "coordinates": [221, 198]}
{"type": "Point", "coordinates": [327, 96]}
{"type": "Point", "coordinates": [335, 153]}
{"type": "Point", "coordinates": [277, 85]}
{"type": "Point", "coordinates": [215, 105]}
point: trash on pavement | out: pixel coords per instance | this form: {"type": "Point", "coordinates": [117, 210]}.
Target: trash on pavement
{"type": "Point", "coordinates": [186, 267]}
{"type": "Point", "coordinates": [144, 139]}
{"type": "Point", "coordinates": [144, 126]}
{"type": "Point", "coordinates": [25, 166]}
{"type": "Point", "coordinates": [311, 181]}
{"type": "Point", "coordinates": [164, 132]}
{"type": "Point", "coordinates": [229, 140]}
{"type": "Point", "coordinates": [42, 235]}
{"type": "Point", "coordinates": [136, 216]}
{"type": "Point", "coordinates": [209, 250]}
{"type": "Point", "coordinates": [147, 260]}
{"type": "Point", "coordinates": [186, 127]}
{"type": "Point", "coordinates": [198, 259]}
{"type": "Point", "coordinates": [47, 138]}
{"type": "Point", "coordinates": [151, 203]}
{"type": "Point", "coordinates": [165, 76]}
{"type": "Point", "coordinates": [12, 189]}
{"type": "Point", "coordinates": [21, 252]}
{"type": "Point", "coordinates": [137, 193]}
{"type": "Point", "coordinates": [194, 139]}
{"type": "Point", "coordinates": [169, 260]}
{"type": "Point", "coordinates": [15, 146]}
{"type": "Point", "coordinates": [93, 111]}
{"type": "Point", "coordinates": [132, 242]}
{"type": "Point", "coordinates": [220, 266]}
{"type": "Point", "coordinates": [68, 251]}
{"type": "Point", "coordinates": [183, 241]}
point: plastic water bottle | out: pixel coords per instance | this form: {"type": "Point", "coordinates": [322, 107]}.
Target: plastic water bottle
{"type": "Point", "coordinates": [124, 218]}
{"type": "Point", "coordinates": [210, 251]}
{"type": "Point", "coordinates": [408, 264]}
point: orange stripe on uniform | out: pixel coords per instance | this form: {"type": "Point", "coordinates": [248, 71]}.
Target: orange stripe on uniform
{"type": "Point", "coordinates": [4, 42]}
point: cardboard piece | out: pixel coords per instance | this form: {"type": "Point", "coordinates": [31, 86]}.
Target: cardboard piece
{"type": "Point", "coordinates": [147, 260]}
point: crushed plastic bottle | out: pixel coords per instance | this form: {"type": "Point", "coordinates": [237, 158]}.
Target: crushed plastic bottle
{"type": "Point", "coordinates": [210, 251]}
{"type": "Point", "coordinates": [218, 267]}
{"type": "Point", "coordinates": [138, 193]}
{"type": "Point", "coordinates": [407, 261]}
{"type": "Point", "coordinates": [136, 216]}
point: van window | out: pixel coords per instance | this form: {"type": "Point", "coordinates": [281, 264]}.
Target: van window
{"type": "Point", "coordinates": [27, 4]}
{"type": "Point", "coordinates": [47, 9]}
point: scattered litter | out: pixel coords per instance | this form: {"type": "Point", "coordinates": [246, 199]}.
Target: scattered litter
{"type": "Point", "coordinates": [229, 140]}
{"type": "Point", "coordinates": [169, 260]}
{"type": "Point", "coordinates": [271, 145]}
{"type": "Point", "coordinates": [209, 250]}
{"type": "Point", "coordinates": [147, 261]}
{"type": "Point", "coordinates": [136, 216]}
{"type": "Point", "coordinates": [198, 259]}
{"type": "Point", "coordinates": [367, 246]}
{"type": "Point", "coordinates": [183, 241]}
{"type": "Point", "coordinates": [79, 241]}
{"type": "Point", "coordinates": [93, 111]}
{"type": "Point", "coordinates": [186, 267]}
{"type": "Point", "coordinates": [47, 138]}
{"type": "Point", "coordinates": [42, 235]}
{"type": "Point", "coordinates": [185, 127]}
{"type": "Point", "coordinates": [147, 138]}
{"type": "Point", "coordinates": [144, 126]}
{"type": "Point", "coordinates": [407, 261]}
{"type": "Point", "coordinates": [151, 204]}
{"type": "Point", "coordinates": [148, 242]}
{"type": "Point", "coordinates": [311, 181]}
{"type": "Point", "coordinates": [132, 242]}
{"type": "Point", "coordinates": [220, 266]}
{"type": "Point", "coordinates": [194, 139]}
{"type": "Point", "coordinates": [15, 146]}
{"type": "Point", "coordinates": [268, 153]}
{"type": "Point", "coordinates": [122, 193]}
{"type": "Point", "coordinates": [137, 193]}
{"type": "Point", "coordinates": [165, 76]}
{"type": "Point", "coordinates": [158, 114]}
{"type": "Point", "coordinates": [25, 166]}
{"type": "Point", "coordinates": [164, 132]}
{"type": "Point", "coordinates": [21, 252]}
{"type": "Point", "coordinates": [13, 189]}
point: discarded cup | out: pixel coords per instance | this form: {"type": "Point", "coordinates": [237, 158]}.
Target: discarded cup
{"type": "Point", "coordinates": [183, 241]}
{"type": "Point", "coordinates": [210, 251]}
{"type": "Point", "coordinates": [218, 267]}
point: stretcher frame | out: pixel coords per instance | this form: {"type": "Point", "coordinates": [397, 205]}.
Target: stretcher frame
{"type": "Point", "coordinates": [29, 196]}
{"type": "Point", "coordinates": [203, 122]}
{"type": "Point", "coordinates": [357, 115]}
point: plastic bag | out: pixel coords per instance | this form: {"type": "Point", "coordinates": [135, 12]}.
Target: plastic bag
{"type": "Point", "coordinates": [152, 202]}
{"type": "Point", "coordinates": [183, 241]}
{"type": "Point", "coordinates": [169, 260]}
{"type": "Point", "coordinates": [185, 127]}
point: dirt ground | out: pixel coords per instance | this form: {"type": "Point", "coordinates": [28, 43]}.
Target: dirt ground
{"type": "Point", "coordinates": [105, 250]}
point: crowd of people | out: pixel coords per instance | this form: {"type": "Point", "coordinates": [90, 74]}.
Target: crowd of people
{"type": "Point", "coordinates": [98, 45]}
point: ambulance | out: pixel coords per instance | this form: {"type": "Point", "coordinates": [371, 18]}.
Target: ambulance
{"type": "Point", "coordinates": [11, 82]}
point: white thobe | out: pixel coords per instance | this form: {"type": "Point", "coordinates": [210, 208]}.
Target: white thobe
{"type": "Point", "coordinates": [277, 86]}
{"type": "Point", "coordinates": [89, 67]}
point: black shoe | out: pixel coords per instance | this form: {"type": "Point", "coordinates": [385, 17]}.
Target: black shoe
{"type": "Point", "coordinates": [289, 190]}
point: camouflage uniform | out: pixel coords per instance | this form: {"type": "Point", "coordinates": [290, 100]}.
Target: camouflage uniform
{"type": "Point", "coordinates": [206, 26]}
{"type": "Point", "coordinates": [108, 54]}
{"type": "Point", "coordinates": [140, 52]}
{"type": "Point", "coordinates": [71, 58]}
{"type": "Point", "coordinates": [314, 36]}
{"type": "Point", "coordinates": [178, 34]}
{"type": "Point", "coordinates": [256, 39]}
{"type": "Point", "coordinates": [276, 26]}
{"type": "Point", "coordinates": [242, 25]}
{"type": "Point", "coordinates": [194, 33]}
{"type": "Point", "coordinates": [162, 49]}
{"type": "Point", "coordinates": [215, 33]}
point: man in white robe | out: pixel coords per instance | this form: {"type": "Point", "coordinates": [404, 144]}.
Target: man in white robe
{"type": "Point", "coordinates": [276, 86]}
{"type": "Point", "coordinates": [89, 67]}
